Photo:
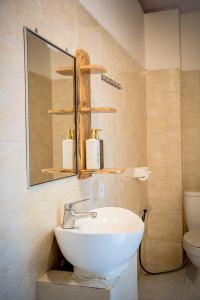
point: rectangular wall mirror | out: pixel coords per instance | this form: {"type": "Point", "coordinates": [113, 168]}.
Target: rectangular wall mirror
{"type": "Point", "coordinates": [50, 108]}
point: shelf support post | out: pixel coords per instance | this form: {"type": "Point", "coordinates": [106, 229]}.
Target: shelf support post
{"type": "Point", "coordinates": [84, 100]}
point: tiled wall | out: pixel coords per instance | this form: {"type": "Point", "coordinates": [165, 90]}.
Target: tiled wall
{"type": "Point", "coordinates": [28, 216]}
{"type": "Point", "coordinates": [190, 99]}
{"type": "Point", "coordinates": [164, 237]}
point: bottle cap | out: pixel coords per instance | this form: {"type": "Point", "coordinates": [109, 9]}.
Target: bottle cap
{"type": "Point", "coordinates": [94, 133]}
{"type": "Point", "coordinates": [70, 134]}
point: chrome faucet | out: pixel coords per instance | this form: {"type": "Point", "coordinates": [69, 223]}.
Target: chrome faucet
{"type": "Point", "coordinates": [70, 215]}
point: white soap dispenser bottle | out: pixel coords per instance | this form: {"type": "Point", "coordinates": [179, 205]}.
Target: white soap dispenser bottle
{"type": "Point", "coordinates": [69, 150]}
{"type": "Point", "coordinates": [93, 151]}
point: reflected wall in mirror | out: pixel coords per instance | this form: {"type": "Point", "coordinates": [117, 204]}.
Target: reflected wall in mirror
{"type": "Point", "coordinates": [51, 106]}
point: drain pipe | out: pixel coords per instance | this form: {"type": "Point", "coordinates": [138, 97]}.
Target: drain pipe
{"type": "Point", "coordinates": [140, 258]}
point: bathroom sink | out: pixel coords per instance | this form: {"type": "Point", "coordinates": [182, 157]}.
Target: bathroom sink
{"type": "Point", "coordinates": [102, 246]}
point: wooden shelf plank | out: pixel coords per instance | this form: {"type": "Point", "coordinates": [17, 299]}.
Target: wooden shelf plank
{"type": "Point", "coordinates": [58, 170]}
{"type": "Point", "coordinates": [92, 171]}
{"type": "Point", "coordinates": [82, 110]}
{"type": "Point", "coordinates": [103, 171]}
{"type": "Point", "coordinates": [60, 111]}
{"type": "Point", "coordinates": [93, 69]}
{"type": "Point", "coordinates": [97, 109]}
{"type": "Point", "coordinates": [65, 71]}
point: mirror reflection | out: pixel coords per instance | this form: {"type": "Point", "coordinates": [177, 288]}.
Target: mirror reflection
{"type": "Point", "coordinates": [50, 111]}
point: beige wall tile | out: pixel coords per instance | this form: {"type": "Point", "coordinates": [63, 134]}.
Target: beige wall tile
{"type": "Point", "coordinates": [165, 227]}
{"type": "Point", "coordinates": [190, 96]}
{"type": "Point", "coordinates": [12, 98]}
{"type": "Point", "coordinates": [164, 156]}
{"type": "Point", "coordinates": [163, 255]}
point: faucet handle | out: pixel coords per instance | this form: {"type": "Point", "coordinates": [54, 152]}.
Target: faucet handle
{"type": "Point", "coordinates": [70, 206]}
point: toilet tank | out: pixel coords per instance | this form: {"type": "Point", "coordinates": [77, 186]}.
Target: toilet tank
{"type": "Point", "coordinates": [192, 209]}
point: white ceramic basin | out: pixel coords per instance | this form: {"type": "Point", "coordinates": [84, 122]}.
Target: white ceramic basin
{"type": "Point", "coordinates": [102, 245]}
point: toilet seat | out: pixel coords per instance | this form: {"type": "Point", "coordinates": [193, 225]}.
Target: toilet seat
{"type": "Point", "coordinates": [192, 238]}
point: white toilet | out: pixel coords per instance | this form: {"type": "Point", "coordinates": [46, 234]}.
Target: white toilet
{"type": "Point", "coordinates": [191, 239]}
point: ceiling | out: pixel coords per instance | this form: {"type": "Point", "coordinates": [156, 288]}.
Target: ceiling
{"type": "Point", "coordinates": [158, 5]}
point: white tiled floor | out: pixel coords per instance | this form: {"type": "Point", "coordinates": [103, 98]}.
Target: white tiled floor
{"type": "Point", "coordinates": [180, 285]}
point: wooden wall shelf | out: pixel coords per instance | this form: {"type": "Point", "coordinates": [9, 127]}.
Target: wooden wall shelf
{"type": "Point", "coordinates": [82, 110]}
{"type": "Point", "coordinates": [103, 171]}
{"type": "Point", "coordinates": [99, 171]}
{"type": "Point", "coordinates": [58, 170]}
{"type": "Point", "coordinates": [83, 69]}
{"type": "Point", "coordinates": [65, 71]}
{"type": "Point", "coordinates": [97, 110]}
{"type": "Point", "coordinates": [91, 69]}
{"type": "Point", "coordinates": [60, 111]}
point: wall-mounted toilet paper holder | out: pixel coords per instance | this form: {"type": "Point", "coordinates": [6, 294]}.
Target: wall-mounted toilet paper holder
{"type": "Point", "coordinates": [140, 173]}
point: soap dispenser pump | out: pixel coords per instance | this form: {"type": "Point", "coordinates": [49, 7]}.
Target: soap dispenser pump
{"type": "Point", "coordinates": [94, 151]}
{"type": "Point", "coordinates": [69, 150]}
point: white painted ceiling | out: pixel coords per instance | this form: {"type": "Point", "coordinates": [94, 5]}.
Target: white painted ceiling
{"type": "Point", "coordinates": [158, 5]}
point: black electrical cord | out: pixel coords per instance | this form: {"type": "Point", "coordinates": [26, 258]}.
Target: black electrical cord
{"type": "Point", "coordinates": [140, 259]}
